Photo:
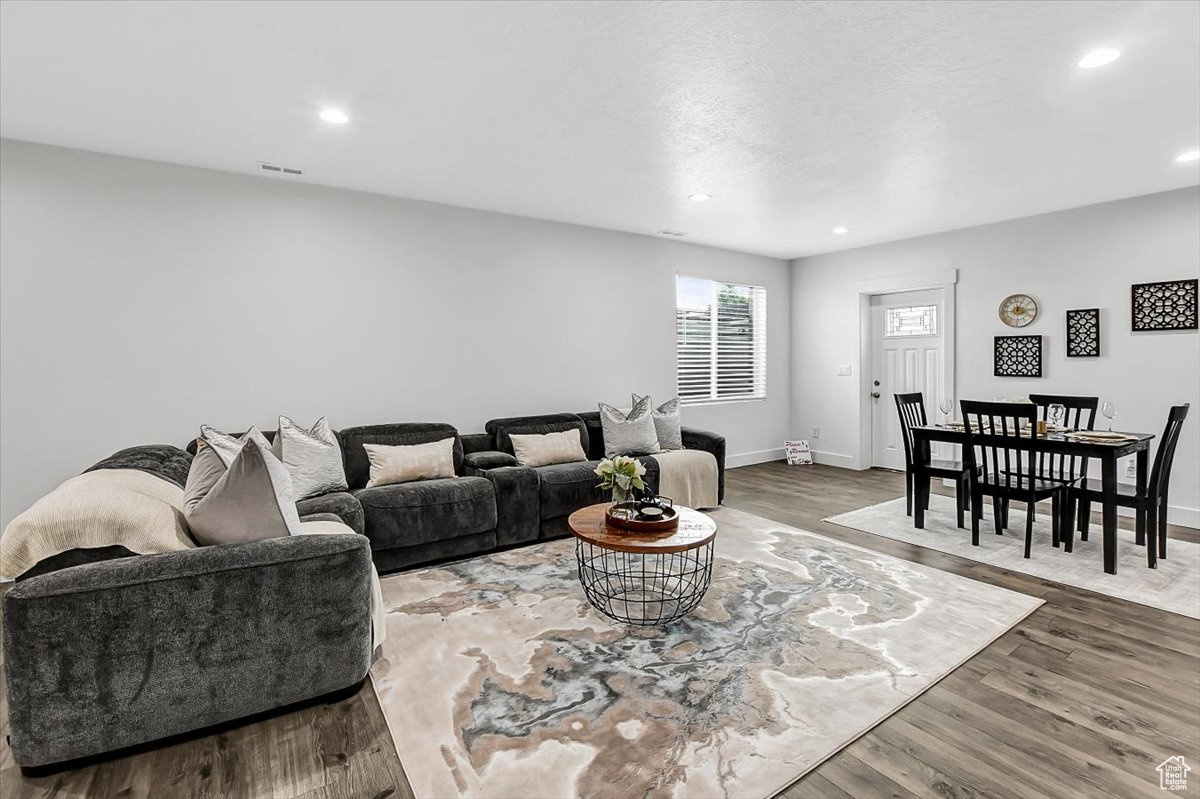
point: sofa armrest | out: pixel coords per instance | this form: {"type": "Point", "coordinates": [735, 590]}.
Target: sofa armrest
{"type": "Point", "coordinates": [476, 463]}
{"type": "Point", "coordinates": [114, 654]}
{"type": "Point", "coordinates": [712, 443]}
{"type": "Point", "coordinates": [518, 503]}
{"type": "Point", "coordinates": [477, 442]}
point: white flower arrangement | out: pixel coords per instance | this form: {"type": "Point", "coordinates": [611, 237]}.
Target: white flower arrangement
{"type": "Point", "coordinates": [621, 474]}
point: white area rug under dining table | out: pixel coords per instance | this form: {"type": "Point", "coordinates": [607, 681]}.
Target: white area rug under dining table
{"type": "Point", "coordinates": [498, 679]}
{"type": "Point", "coordinates": [1174, 586]}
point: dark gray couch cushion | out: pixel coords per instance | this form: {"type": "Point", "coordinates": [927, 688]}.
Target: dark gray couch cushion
{"type": "Point", "coordinates": [339, 503]}
{"type": "Point", "coordinates": [162, 460]}
{"type": "Point", "coordinates": [358, 467]}
{"type": "Point", "coordinates": [566, 487]}
{"type": "Point", "coordinates": [409, 514]}
{"type": "Point", "coordinates": [76, 557]}
{"type": "Point", "coordinates": [501, 429]}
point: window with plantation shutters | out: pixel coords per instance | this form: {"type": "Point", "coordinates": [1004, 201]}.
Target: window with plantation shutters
{"type": "Point", "coordinates": [720, 341]}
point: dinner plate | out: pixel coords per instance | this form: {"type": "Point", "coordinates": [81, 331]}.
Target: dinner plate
{"type": "Point", "coordinates": [1103, 435]}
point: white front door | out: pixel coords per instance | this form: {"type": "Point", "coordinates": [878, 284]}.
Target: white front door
{"type": "Point", "coordinates": [908, 354]}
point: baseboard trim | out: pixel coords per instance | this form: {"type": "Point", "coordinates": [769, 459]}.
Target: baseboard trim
{"type": "Point", "coordinates": [834, 459]}
{"type": "Point", "coordinates": [1184, 517]}
{"type": "Point", "coordinates": [751, 458]}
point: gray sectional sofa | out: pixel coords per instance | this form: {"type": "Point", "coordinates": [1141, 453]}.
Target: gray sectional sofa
{"type": "Point", "coordinates": [104, 649]}
{"type": "Point", "coordinates": [491, 502]}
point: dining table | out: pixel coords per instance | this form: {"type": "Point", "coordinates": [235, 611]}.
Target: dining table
{"type": "Point", "coordinates": [1106, 453]}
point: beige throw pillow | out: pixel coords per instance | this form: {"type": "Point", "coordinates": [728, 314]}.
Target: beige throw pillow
{"type": "Point", "coordinates": [548, 448]}
{"type": "Point", "coordinates": [408, 462]}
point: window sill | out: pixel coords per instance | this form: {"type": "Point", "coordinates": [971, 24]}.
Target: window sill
{"type": "Point", "coordinates": [701, 403]}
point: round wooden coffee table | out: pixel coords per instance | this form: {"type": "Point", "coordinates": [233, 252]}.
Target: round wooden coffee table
{"type": "Point", "coordinates": [640, 578]}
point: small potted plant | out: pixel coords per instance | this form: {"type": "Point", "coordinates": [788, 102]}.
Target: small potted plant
{"type": "Point", "coordinates": [622, 475]}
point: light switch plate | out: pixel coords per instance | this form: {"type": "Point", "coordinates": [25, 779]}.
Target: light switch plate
{"type": "Point", "coordinates": [845, 370]}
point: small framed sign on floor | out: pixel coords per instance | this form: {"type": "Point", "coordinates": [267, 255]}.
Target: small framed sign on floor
{"type": "Point", "coordinates": [798, 453]}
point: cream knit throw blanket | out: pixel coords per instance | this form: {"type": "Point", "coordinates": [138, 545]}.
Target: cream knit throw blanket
{"type": "Point", "coordinates": [107, 507]}
{"type": "Point", "coordinates": [122, 507]}
{"type": "Point", "coordinates": [688, 477]}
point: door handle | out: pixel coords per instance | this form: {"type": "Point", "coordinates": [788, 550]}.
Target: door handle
{"type": "Point", "coordinates": [875, 394]}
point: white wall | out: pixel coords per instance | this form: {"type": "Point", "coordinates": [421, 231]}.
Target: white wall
{"type": "Point", "coordinates": [140, 299]}
{"type": "Point", "coordinates": [1081, 258]}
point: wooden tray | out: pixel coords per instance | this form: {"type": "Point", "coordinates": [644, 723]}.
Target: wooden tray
{"type": "Point", "coordinates": [669, 521]}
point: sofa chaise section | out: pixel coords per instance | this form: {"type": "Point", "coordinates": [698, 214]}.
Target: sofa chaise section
{"type": "Point", "coordinates": [112, 654]}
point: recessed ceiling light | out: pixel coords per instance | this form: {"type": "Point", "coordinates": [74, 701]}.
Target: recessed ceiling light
{"type": "Point", "coordinates": [1190, 155]}
{"type": "Point", "coordinates": [841, 231]}
{"type": "Point", "coordinates": [334, 116]}
{"type": "Point", "coordinates": [700, 197]}
{"type": "Point", "coordinates": [1098, 58]}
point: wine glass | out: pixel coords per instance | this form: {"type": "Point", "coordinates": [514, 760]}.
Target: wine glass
{"type": "Point", "coordinates": [1109, 409]}
{"type": "Point", "coordinates": [945, 406]}
{"type": "Point", "coordinates": [1056, 414]}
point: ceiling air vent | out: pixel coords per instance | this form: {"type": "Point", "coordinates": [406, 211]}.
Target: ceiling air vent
{"type": "Point", "coordinates": [674, 233]}
{"type": "Point", "coordinates": [284, 170]}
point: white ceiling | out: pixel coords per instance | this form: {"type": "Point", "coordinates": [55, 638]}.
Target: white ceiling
{"type": "Point", "coordinates": [892, 118]}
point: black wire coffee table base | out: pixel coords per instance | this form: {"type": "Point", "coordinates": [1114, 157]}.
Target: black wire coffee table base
{"type": "Point", "coordinates": [644, 589]}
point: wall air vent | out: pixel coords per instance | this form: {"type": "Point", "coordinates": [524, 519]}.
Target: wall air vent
{"type": "Point", "coordinates": [283, 170]}
{"type": "Point", "coordinates": [674, 233]}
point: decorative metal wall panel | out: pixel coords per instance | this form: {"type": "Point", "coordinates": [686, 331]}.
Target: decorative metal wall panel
{"type": "Point", "coordinates": [1169, 305]}
{"type": "Point", "coordinates": [1018, 356]}
{"type": "Point", "coordinates": [1083, 333]}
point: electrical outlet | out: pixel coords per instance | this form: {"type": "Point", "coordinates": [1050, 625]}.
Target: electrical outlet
{"type": "Point", "coordinates": [1131, 468]}
{"type": "Point", "coordinates": [816, 432]}
{"type": "Point", "coordinates": [845, 370]}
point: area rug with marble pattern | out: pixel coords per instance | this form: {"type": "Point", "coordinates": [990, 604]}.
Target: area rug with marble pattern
{"type": "Point", "coordinates": [498, 679]}
{"type": "Point", "coordinates": [1174, 586]}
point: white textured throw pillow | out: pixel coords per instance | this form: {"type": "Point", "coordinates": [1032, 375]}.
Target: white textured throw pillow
{"type": "Point", "coordinates": [548, 448]}
{"type": "Point", "coordinates": [628, 433]}
{"type": "Point", "coordinates": [313, 457]}
{"type": "Point", "coordinates": [408, 462]}
{"type": "Point", "coordinates": [248, 499]}
{"type": "Point", "coordinates": [666, 423]}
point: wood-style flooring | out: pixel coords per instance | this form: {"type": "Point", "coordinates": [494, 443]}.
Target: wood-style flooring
{"type": "Point", "coordinates": [1084, 698]}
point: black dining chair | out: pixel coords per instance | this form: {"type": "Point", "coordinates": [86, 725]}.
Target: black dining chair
{"type": "Point", "coordinates": [911, 408]}
{"type": "Point", "coordinates": [1080, 414]}
{"type": "Point", "coordinates": [1150, 506]}
{"type": "Point", "coordinates": [1081, 411]}
{"type": "Point", "coordinates": [1000, 437]}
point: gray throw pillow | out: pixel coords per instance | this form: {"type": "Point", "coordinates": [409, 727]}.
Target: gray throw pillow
{"type": "Point", "coordinates": [247, 500]}
{"type": "Point", "coordinates": [666, 423]}
{"type": "Point", "coordinates": [226, 446]}
{"type": "Point", "coordinates": [628, 433]}
{"type": "Point", "coordinates": [313, 457]}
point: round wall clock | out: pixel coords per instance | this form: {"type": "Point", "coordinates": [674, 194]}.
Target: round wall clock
{"type": "Point", "coordinates": [1018, 310]}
